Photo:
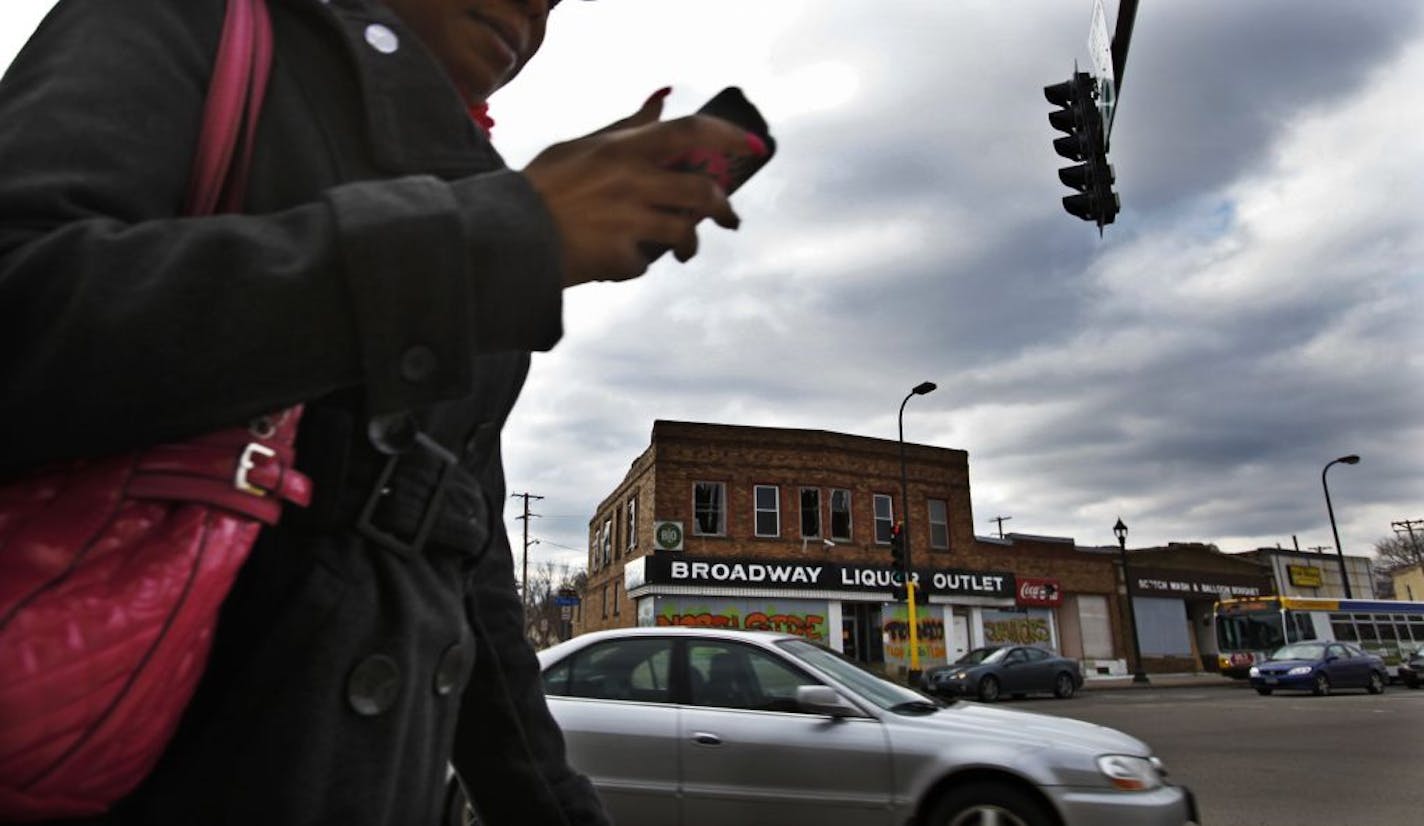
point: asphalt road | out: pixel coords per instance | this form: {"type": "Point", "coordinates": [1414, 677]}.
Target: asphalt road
{"type": "Point", "coordinates": [1350, 758]}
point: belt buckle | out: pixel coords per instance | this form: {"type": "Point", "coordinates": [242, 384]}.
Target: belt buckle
{"type": "Point", "coordinates": [246, 462]}
{"type": "Point", "coordinates": [386, 539]}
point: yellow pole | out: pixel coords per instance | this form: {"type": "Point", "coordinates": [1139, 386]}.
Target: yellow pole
{"type": "Point", "coordinates": [914, 624]}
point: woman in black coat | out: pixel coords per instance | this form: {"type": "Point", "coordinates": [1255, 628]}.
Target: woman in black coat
{"type": "Point", "coordinates": [393, 275]}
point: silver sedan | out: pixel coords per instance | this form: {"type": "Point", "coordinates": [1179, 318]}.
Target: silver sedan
{"type": "Point", "coordinates": [703, 727]}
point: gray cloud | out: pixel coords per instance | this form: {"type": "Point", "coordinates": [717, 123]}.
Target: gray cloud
{"type": "Point", "coordinates": [1252, 315]}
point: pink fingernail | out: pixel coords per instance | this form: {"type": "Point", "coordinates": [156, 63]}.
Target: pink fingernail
{"type": "Point", "coordinates": [757, 146]}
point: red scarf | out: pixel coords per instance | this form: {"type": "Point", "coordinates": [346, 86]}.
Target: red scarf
{"type": "Point", "coordinates": [479, 113]}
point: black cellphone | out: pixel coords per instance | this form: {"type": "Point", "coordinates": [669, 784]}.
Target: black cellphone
{"type": "Point", "coordinates": [731, 105]}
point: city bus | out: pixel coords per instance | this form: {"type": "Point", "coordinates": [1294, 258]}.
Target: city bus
{"type": "Point", "coordinates": [1249, 629]}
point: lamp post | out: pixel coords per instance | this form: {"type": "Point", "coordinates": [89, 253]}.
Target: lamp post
{"type": "Point", "coordinates": [1138, 676]}
{"type": "Point", "coordinates": [1352, 459]}
{"type": "Point", "coordinates": [914, 676]}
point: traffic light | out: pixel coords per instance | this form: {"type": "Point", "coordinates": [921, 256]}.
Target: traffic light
{"type": "Point", "coordinates": [897, 547]}
{"type": "Point", "coordinates": [1084, 142]}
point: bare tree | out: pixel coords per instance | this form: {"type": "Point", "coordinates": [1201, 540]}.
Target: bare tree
{"type": "Point", "coordinates": [544, 624]}
{"type": "Point", "coordinates": [1399, 551]}
{"type": "Point", "coordinates": [1392, 554]}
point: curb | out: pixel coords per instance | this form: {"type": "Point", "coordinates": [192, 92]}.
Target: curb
{"type": "Point", "coordinates": [1164, 681]}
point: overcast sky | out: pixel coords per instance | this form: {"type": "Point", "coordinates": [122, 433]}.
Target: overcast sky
{"type": "Point", "coordinates": [1253, 314]}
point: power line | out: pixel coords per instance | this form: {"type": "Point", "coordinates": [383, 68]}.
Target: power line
{"type": "Point", "coordinates": [1001, 520]}
{"type": "Point", "coordinates": [543, 541]}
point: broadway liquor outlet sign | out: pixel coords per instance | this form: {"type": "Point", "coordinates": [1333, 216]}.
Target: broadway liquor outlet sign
{"type": "Point", "coordinates": [668, 569]}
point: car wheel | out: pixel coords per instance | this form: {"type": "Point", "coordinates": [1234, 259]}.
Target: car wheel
{"type": "Point", "coordinates": [1376, 684]}
{"type": "Point", "coordinates": [983, 804]}
{"type": "Point", "coordinates": [1322, 685]}
{"type": "Point", "coordinates": [1412, 683]}
{"type": "Point", "coordinates": [989, 688]}
{"type": "Point", "coordinates": [1264, 692]}
{"type": "Point", "coordinates": [1063, 686]}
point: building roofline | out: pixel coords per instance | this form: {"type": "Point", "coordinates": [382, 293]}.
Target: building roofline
{"type": "Point", "coordinates": [672, 429]}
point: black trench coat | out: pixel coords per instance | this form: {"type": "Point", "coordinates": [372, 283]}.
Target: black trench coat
{"type": "Point", "coordinates": [388, 271]}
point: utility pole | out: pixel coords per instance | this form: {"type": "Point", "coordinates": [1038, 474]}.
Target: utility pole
{"type": "Point", "coordinates": [524, 583]}
{"type": "Point", "coordinates": [1001, 520]}
{"type": "Point", "coordinates": [1408, 525]}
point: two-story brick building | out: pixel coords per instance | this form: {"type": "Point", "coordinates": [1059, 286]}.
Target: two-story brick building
{"type": "Point", "coordinates": [755, 527]}
{"type": "Point", "coordinates": [790, 529]}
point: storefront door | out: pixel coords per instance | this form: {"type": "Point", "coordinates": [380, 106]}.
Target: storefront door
{"type": "Point", "coordinates": [958, 635]}
{"type": "Point", "coordinates": [861, 633]}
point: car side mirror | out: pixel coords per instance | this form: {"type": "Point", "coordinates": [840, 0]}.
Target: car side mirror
{"type": "Point", "coordinates": [1330, 658]}
{"type": "Point", "coordinates": [822, 699]}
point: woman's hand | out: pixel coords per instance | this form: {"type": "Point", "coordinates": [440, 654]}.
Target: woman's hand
{"type": "Point", "coordinates": [612, 189]}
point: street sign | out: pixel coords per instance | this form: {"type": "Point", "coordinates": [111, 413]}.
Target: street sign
{"type": "Point", "coordinates": [566, 601]}
{"type": "Point", "coordinates": [1100, 51]}
{"type": "Point", "coordinates": [566, 613]}
{"type": "Point", "coordinates": [667, 536]}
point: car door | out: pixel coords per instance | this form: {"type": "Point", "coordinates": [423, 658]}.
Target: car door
{"type": "Point", "coordinates": [1339, 667]}
{"type": "Point", "coordinates": [1015, 672]}
{"type": "Point", "coordinates": [1360, 665]}
{"type": "Point", "coordinates": [1039, 670]}
{"type": "Point", "coordinates": [750, 757]}
{"type": "Point", "coordinates": [613, 702]}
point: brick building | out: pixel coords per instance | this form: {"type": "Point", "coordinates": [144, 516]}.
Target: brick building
{"type": "Point", "coordinates": [755, 527]}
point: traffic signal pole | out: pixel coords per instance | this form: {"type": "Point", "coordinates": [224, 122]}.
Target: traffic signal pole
{"type": "Point", "coordinates": [1122, 38]}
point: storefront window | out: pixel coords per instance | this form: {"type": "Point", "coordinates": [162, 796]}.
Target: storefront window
{"type": "Point", "coordinates": [1018, 626]}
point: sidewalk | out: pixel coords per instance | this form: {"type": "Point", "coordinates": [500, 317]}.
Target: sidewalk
{"type": "Point", "coordinates": [1204, 679]}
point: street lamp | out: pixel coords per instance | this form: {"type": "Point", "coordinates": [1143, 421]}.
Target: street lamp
{"type": "Point", "coordinates": [1352, 459]}
{"type": "Point", "coordinates": [1120, 530]}
{"type": "Point", "coordinates": [914, 676]}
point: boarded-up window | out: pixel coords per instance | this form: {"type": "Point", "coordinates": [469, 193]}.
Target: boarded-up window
{"type": "Point", "coordinates": [1162, 626]}
{"type": "Point", "coordinates": [1095, 627]}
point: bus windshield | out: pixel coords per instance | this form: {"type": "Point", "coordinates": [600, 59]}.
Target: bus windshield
{"type": "Point", "coordinates": [1255, 631]}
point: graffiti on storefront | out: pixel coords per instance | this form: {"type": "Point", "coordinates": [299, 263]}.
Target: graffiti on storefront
{"type": "Point", "coordinates": [802, 618]}
{"type": "Point", "coordinates": [929, 629]}
{"type": "Point", "coordinates": [703, 620]}
{"type": "Point", "coordinates": [1017, 631]}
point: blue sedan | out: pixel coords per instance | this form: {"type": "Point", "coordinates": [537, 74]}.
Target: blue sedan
{"type": "Point", "coordinates": [1319, 667]}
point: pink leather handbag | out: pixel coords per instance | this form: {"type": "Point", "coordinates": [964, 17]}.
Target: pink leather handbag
{"type": "Point", "coordinates": [112, 570]}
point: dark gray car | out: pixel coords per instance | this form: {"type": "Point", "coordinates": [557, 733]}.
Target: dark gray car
{"type": "Point", "coordinates": [991, 672]}
{"type": "Point", "coordinates": [706, 727]}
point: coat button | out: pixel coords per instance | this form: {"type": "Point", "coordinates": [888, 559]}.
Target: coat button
{"type": "Point", "coordinates": [417, 364]}
{"type": "Point", "coordinates": [382, 39]}
{"type": "Point", "coordinates": [450, 670]}
{"type": "Point", "coordinates": [373, 685]}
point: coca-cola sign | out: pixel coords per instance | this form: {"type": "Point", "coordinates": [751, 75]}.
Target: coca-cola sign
{"type": "Point", "coordinates": [1034, 591]}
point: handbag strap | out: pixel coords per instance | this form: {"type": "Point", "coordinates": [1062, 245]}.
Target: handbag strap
{"type": "Point", "coordinates": [218, 180]}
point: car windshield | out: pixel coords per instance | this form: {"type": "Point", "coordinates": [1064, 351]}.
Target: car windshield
{"type": "Point", "coordinates": [1254, 631]}
{"type": "Point", "coordinates": [978, 655]}
{"type": "Point", "coordinates": [868, 686]}
{"type": "Point", "coordinates": [1300, 651]}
